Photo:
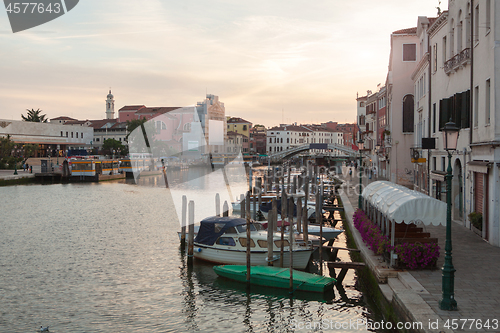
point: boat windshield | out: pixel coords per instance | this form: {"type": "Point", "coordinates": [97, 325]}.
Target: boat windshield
{"type": "Point", "coordinates": [253, 227]}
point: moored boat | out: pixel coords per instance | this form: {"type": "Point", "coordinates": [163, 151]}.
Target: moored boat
{"type": "Point", "coordinates": [223, 240]}
{"type": "Point", "coordinates": [277, 277]}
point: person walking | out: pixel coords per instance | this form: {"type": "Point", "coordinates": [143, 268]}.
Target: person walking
{"type": "Point", "coordinates": [350, 173]}
{"type": "Point", "coordinates": [375, 172]}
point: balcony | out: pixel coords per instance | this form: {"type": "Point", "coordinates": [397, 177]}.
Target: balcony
{"type": "Point", "coordinates": [458, 61]}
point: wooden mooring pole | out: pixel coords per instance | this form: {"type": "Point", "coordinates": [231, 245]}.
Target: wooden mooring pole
{"type": "Point", "coordinates": [183, 222]}
{"type": "Point", "coordinates": [249, 239]}
{"type": "Point", "coordinates": [190, 231]}
{"type": "Point", "coordinates": [290, 240]}
{"type": "Point", "coordinates": [217, 204]}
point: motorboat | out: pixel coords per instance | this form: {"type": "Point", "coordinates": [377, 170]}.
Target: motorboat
{"type": "Point", "coordinates": [223, 240]}
{"type": "Point", "coordinates": [277, 277]}
{"type": "Point", "coordinates": [312, 229]}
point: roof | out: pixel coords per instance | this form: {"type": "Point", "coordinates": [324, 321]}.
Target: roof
{"type": "Point", "coordinates": [159, 110]}
{"type": "Point", "coordinates": [407, 31]}
{"type": "Point", "coordinates": [289, 128]}
{"type": "Point", "coordinates": [75, 122]}
{"type": "Point", "coordinates": [62, 118]}
{"type": "Point", "coordinates": [131, 107]}
{"type": "Point", "coordinates": [232, 133]}
{"type": "Point", "coordinates": [400, 204]}
{"type": "Point", "coordinates": [100, 123]}
{"type": "Point", "coordinates": [212, 227]}
{"type": "Point", "coordinates": [234, 120]}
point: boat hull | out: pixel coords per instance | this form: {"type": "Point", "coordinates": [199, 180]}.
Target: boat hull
{"type": "Point", "coordinates": [237, 257]}
{"type": "Point", "coordinates": [277, 277]}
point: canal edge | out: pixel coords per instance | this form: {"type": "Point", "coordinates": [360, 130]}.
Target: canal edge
{"type": "Point", "coordinates": [397, 293]}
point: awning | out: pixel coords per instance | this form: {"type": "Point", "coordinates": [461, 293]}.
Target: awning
{"type": "Point", "coordinates": [400, 204]}
{"type": "Point", "coordinates": [479, 166]}
{"type": "Point", "coordinates": [438, 175]}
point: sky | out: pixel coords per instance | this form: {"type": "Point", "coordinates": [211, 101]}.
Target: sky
{"type": "Point", "coordinates": [270, 62]}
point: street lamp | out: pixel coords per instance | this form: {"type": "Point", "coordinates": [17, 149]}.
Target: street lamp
{"type": "Point", "coordinates": [448, 302]}
{"type": "Point", "coordinates": [360, 199]}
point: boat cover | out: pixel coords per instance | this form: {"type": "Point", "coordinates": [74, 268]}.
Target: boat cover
{"type": "Point", "coordinates": [267, 206]}
{"type": "Point", "coordinates": [213, 227]}
{"type": "Point", "coordinates": [401, 204]}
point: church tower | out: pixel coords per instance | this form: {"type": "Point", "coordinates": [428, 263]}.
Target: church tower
{"type": "Point", "coordinates": [110, 106]}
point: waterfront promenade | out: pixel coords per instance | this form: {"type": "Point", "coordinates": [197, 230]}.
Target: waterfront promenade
{"type": "Point", "coordinates": [9, 174]}
{"type": "Point", "coordinates": [416, 293]}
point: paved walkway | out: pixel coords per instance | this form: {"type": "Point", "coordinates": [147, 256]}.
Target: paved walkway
{"type": "Point", "coordinates": [477, 276]}
{"type": "Point", "coordinates": [9, 174]}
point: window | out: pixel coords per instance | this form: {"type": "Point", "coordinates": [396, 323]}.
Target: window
{"type": "Point", "coordinates": [77, 135]}
{"type": "Point", "coordinates": [443, 163]}
{"type": "Point", "coordinates": [408, 114]}
{"type": "Point", "coordinates": [81, 135]}
{"type": "Point", "coordinates": [61, 133]}
{"type": "Point", "coordinates": [227, 241]}
{"type": "Point", "coordinates": [456, 108]}
{"type": "Point", "coordinates": [476, 106]}
{"type": "Point", "coordinates": [270, 140]}
{"type": "Point", "coordinates": [435, 58]}
{"type": "Point", "coordinates": [488, 16]}
{"type": "Point", "coordinates": [244, 127]}
{"type": "Point", "coordinates": [434, 118]}
{"type": "Point", "coordinates": [97, 139]}
{"type": "Point", "coordinates": [409, 52]}
{"type": "Point", "coordinates": [72, 135]}
{"type": "Point", "coordinates": [444, 49]}
{"type": "Point", "coordinates": [243, 242]}
{"type": "Point", "coordinates": [487, 101]}
{"type": "Point", "coordinates": [476, 24]}
{"type": "Point", "coordinates": [66, 134]}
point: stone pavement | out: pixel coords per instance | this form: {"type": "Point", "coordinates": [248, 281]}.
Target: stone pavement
{"type": "Point", "coordinates": [477, 279]}
{"type": "Point", "coordinates": [9, 174]}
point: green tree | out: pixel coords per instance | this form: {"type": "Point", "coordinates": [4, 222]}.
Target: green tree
{"type": "Point", "coordinates": [111, 144]}
{"type": "Point", "coordinates": [34, 116]}
{"type": "Point", "coordinates": [7, 160]}
{"type": "Point", "coordinates": [133, 124]}
{"type": "Point", "coordinates": [29, 150]}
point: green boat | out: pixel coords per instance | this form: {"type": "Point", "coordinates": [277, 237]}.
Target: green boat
{"type": "Point", "coordinates": [276, 277]}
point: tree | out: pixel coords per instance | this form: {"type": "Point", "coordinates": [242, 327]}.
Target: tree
{"type": "Point", "coordinates": [34, 116]}
{"type": "Point", "coordinates": [111, 144]}
{"type": "Point", "coordinates": [133, 124]}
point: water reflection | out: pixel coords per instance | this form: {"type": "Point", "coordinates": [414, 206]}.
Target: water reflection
{"type": "Point", "coordinates": [257, 308]}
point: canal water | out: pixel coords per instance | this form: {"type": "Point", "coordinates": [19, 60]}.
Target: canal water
{"type": "Point", "coordinates": [105, 258]}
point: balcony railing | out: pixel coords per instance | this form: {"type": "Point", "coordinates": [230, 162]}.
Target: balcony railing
{"type": "Point", "coordinates": [458, 61]}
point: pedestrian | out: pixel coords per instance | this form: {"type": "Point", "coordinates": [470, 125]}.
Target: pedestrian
{"type": "Point", "coordinates": [375, 172]}
{"type": "Point", "coordinates": [24, 166]}
{"type": "Point", "coordinates": [350, 173]}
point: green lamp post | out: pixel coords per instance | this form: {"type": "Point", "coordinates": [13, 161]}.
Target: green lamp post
{"type": "Point", "coordinates": [360, 199]}
{"type": "Point", "coordinates": [448, 302]}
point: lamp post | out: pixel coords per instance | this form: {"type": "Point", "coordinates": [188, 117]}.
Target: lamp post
{"type": "Point", "coordinates": [448, 302]}
{"type": "Point", "coordinates": [360, 199]}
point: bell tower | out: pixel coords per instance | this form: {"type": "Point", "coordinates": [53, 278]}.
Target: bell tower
{"type": "Point", "coordinates": [110, 106]}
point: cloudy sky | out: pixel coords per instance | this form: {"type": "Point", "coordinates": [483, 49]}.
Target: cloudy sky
{"type": "Point", "coordinates": [268, 61]}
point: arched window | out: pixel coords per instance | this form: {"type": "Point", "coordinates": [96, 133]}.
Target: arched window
{"type": "Point", "coordinates": [408, 114]}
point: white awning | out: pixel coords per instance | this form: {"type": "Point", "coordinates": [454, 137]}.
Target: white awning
{"type": "Point", "coordinates": [401, 204]}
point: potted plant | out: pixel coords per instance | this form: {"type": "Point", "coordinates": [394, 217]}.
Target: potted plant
{"type": "Point", "coordinates": [476, 219]}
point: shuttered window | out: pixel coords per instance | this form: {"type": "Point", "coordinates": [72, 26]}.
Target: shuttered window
{"type": "Point", "coordinates": [478, 192]}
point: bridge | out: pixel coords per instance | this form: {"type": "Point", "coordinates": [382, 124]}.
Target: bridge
{"type": "Point", "coordinates": [348, 152]}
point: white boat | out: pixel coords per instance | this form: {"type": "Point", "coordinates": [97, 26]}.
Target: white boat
{"type": "Point", "coordinates": [312, 229]}
{"type": "Point", "coordinates": [223, 240]}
